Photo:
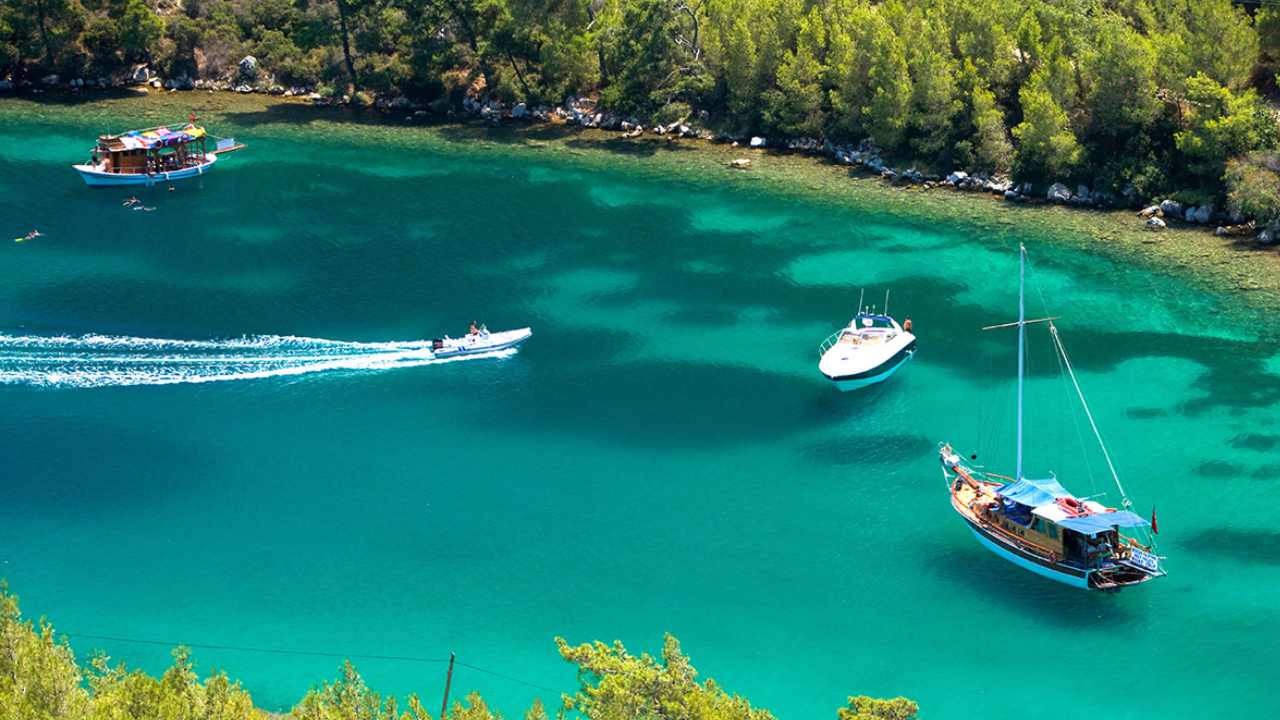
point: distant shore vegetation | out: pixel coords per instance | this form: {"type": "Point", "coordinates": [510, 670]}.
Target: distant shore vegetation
{"type": "Point", "coordinates": [41, 678]}
{"type": "Point", "coordinates": [1136, 98]}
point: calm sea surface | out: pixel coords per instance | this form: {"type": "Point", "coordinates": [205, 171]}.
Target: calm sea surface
{"type": "Point", "coordinates": [243, 453]}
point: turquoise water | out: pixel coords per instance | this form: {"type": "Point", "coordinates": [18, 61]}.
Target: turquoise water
{"type": "Point", "coordinates": [661, 456]}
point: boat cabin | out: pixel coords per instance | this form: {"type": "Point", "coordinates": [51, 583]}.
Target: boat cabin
{"type": "Point", "coordinates": [1043, 523]}
{"type": "Point", "coordinates": [869, 328]}
{"type": "Point", "coordinates": [150, 151]}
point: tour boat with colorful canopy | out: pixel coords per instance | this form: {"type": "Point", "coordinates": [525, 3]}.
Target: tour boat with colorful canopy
{"type": "Point", "coordinates": [866, 351]}
{"type": "Point", "coordinates": [1038, 524]}
{"type": "Point", "coordinates": [152, 155]}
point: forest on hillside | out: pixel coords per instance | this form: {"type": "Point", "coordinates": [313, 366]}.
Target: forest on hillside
{"type": "Point", "coordinates": [1132, 97]}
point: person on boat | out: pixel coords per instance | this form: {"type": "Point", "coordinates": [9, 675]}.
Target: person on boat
{"type": "Point", "coordinates": [906, 325]}
{"type": "Point", "coordinates": [475, 329]}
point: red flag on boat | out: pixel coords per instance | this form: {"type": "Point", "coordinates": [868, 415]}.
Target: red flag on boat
{"type": "Point", "coordinates": [1154, 528]}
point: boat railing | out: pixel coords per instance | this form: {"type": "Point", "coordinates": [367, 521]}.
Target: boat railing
{"type": "Point", "coordinates": [831, 340]}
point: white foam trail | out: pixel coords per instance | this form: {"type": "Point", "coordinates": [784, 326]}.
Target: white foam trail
{"type": "Point", "coordinates": [109, 360]}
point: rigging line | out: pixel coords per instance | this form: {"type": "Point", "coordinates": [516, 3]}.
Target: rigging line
{"type": "Point", "coordinates": [1075, 417]}
{"type": "Point", "coordinates": [270, 651]}
{"type": "Point", "coordinates": [507, 677]}
{"type": "Point", "coordinates": [1053, 330]}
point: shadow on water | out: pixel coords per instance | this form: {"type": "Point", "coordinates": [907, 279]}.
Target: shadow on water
{"type": "Point", "coordinates": [980, 573]}
{"type": "Point", "coordinates": [1255, 441]}
{"type": "Point", "coordinates": [400, 248]}
{"type": "Point", "coordinates": [1261, 547]}
{"type": "Point", "coordinates": [859, 450]}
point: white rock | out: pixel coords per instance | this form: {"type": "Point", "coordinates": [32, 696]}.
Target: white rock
{"type": "Point", "coordinates": [1155, 223]}
{"type": "Point", "coordinates": [1204, 214]}
{"type": "Point", "coordinates": [50, 79]}
{"type": "Point", "coordinates": [758, 142]}
{"type": "Point", "coordinates": [141, 74]}
{"type": "Point", "coordinates": [740, 163]}
{"type": "Point", "coordinates": [957, 177]}
{"type": "Point", "coordinates": [520, 110]}
{"type": "Point", "coordinates": [1058, 193]}
{"type": "Point", "coordinates": [1171, 208]}
{"type": "Point", "coordinates": [249, 66]}
{"type": "Point", "coordinates": [1150, 211]}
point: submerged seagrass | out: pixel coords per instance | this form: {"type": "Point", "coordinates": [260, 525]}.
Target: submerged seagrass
{"type": "Point", "coordinates": [662, 456]}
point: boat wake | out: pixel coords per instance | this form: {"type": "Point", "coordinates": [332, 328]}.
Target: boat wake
{"type": "Point", "coordinates": [89, 361]}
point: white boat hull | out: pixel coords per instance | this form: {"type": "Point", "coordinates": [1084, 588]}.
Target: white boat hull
{"type": "Point", "coordinates": [851, 369]}
{"type": "Point", "coordinates": [94, 177]}
{"type": "Point", "coordinates": [880, 374]}
{"type": "Point", "coordinates": [476, 344]}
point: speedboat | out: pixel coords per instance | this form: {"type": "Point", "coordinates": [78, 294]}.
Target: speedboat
{"type": "Point", "coordinates": [480, 341]}
{"type": "Point", "coordinates": [869, 349]}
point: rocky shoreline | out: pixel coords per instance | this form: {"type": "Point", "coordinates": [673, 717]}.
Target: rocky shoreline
{"type": "Point", "coordinates": [249, 78]}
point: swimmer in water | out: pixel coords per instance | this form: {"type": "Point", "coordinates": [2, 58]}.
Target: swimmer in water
{"type": "Point", "coordinates": [29, 236]}
{"type": "Point", "coordinates": [131, 202]}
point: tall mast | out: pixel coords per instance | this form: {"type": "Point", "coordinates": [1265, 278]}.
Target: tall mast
{"type": "Point", "coordinates": [1022, 335]}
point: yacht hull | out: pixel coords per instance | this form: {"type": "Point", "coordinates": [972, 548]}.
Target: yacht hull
{"type": "Point", "coordinates": [879, 373]}
{"type": "Point", "coordinates": [1027, 561]}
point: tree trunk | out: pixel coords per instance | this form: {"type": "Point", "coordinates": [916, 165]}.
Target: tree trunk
{"type": "Point", "coordinates": [44, 33]}
{"type": "Point", "coordinates": [346, 44]}
{"type": "Point", "coordinates": [519, 76]}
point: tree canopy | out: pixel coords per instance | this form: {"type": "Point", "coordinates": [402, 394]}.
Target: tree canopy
{"type": "Point", "coordinates": [1153, 95]}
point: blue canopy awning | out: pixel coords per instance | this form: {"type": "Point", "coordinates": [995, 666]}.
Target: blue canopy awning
{"type": "Point", "coordinates": [1102, 522]}
{"type": "Point", "coordinates": [1034, 492]}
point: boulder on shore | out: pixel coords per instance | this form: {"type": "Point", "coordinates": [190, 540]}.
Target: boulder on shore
{"type": "Point", "coordinates": [1058, 193]}
{"type": "Point", "coordinates": [1154, 223]}
{"type": "Point", "coordinates": [1172, 208]}
{"type": "Point", "coordinates": [758, 142]}
{"type": "Point", "coordinates": [740, 163]}
{"type": "Point", "coordinates": [249, 67]}
{"type": "Point", "coordinates": [1204, 214]}
{"type": "Point", "coordinates": [1150, 211]}
{"type": "Point", "coordinates": [1242, 230]}
{"type": "Point", "coordinates": [140, 75]}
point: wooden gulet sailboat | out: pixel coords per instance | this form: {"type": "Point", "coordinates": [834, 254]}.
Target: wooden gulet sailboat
{"type": "Point", "coordinates": [1039, 525]}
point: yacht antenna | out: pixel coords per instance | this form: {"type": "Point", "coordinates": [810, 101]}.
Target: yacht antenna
{"type": "Point", "coordinates": [886, 301]}
{"type": "Point", "coordinates": [1022, 333]}
{"type": "Point", "coordinates": [861, 293]}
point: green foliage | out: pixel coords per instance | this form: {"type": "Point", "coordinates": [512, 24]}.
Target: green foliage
{"type": "Point", "coordinates": [1221, 125]}
{"type": "Point", "coordinates": [1111, 92]}
{"type": "Point", "coordinates": [39, 680]}
{"type": "Point", "coordinates": [868, 708]}
{"type": "Point", "coordinates": [1253, 186]}
{"type": "Point", "coordinates": [139, 29]}
{"type": "Point", "coordinates": [617, 685]}
{"type": "Point", "coordinates": [38, 674]}
{"type": "Point", "coordinates": [1047, 147]}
